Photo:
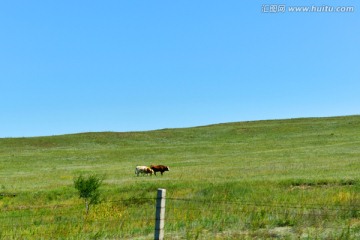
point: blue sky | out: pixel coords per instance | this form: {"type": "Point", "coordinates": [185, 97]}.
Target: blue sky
{"type": "Point", "coordinates": [80, 66]}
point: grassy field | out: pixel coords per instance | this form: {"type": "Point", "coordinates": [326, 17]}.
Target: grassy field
{"type": "Point", "coordinates": [279, 179]}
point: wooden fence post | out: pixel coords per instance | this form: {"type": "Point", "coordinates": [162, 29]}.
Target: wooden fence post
{"type": "Point", "coordinates": [160, 214]}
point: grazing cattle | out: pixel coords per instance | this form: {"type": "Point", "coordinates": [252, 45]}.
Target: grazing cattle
{"type": "Point", "coordinates": [143, 170]}
{"type": "Point", "coordinates": [159, 168]}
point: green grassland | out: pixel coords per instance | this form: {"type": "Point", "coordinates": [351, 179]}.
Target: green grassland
{"type": "Point", "coordinates": [278, 179]}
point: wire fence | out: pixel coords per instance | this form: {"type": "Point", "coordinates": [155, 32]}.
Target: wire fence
{"type": "Point", "coordinates": [134, 218]}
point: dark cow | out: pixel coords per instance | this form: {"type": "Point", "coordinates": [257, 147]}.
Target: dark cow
{"type": "Point", "coordinates": [159, 168]}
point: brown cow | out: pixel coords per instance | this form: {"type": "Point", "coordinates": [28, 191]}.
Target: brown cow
{"type": "Point", "coordinates": [159, 168]}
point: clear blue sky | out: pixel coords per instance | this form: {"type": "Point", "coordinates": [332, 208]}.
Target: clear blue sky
{"type": "Point", "coordinates": [121, 65]}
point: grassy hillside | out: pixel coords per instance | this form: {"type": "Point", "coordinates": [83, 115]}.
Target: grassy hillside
{"type": "Point", "coordinates": [300, 164]}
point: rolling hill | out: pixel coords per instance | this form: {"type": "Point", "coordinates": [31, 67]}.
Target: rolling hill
{"type": "Point", "coordinates": [293, 162]}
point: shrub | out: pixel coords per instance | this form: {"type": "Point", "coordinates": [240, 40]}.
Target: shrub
{"type": "Point", "coordinates": [88, 188]}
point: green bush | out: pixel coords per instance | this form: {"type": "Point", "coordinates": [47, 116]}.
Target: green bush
{"type": "Point", "coordinates": [88, 188]}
